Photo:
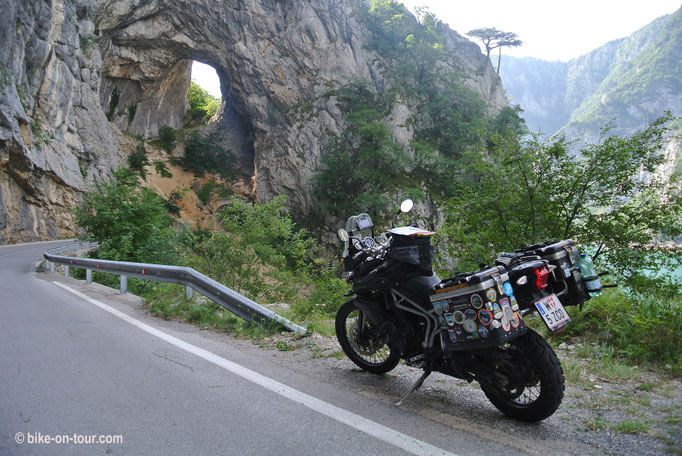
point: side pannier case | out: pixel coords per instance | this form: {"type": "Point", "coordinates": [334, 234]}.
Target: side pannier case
{"type": "Point", "coordinates": [477, 310]}
{"type": "Point", "coordinates": [567, 281]}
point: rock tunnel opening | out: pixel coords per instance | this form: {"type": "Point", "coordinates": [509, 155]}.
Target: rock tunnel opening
{"type": "Point", "coordinates": [229, 126]}
{"type": "Point", "coordinates": [142, 100]}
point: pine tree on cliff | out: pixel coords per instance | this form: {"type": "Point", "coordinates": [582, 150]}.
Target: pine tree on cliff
{"type": "Point", "coordinates": [495, 39]}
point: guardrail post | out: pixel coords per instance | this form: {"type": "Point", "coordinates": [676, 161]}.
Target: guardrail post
{"type": "Point", "coordinates": [52, 267]}
{"type": "Point", "coordinates": [66, 272]}
{"type": "Point", "coordinates": [124, 284]}
{"type": "Point", "coordinates": [189, 292]}
{"type": "Point", "coordinates": [88, 276]}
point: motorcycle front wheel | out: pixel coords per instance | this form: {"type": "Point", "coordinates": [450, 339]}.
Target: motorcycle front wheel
{"type": "Point", "coordinates": [528, 383]}
{"type": "Point", "coordinates": [364, 343]}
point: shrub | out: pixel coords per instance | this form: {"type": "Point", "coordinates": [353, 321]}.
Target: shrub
{"type": "Point", "coordinates": [640, 327]}
{"type": "Point", "coordinates": [201, 104]}
{"type": "Point", "coordinates": [162, 169]}
{"type": "Point", "coordinates": [113, 103]}
{"type": "Point", "coordinates": [207, 190]}
{"type": "Point", "coordinates": [203, 154]}
{"type": "Point", "coordinates": [167, 138]}
{"type": "Point", "coordinates": [138, 160]}
{"type": "Point", "coordinates": [129, 222]}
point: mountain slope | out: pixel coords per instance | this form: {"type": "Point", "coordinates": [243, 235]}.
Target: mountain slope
{"type": "Point", "coordinates": [627, 82]}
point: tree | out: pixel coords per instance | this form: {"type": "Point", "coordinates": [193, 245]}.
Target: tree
{"type": "Point", "coordinates": [609, 197]}
{"type": "Point", "coordinates": [201, 103]}
{"type": "Point", "coordinates": [202, 154]}
{"type": "Point", "coordinates": [129, 222]}
{"type": "Point", "coordinates": [360, 165]}
{"type": "Point", "coordinates": [412, 45]}
{"type": "Point", "coordinates": [495, 39]}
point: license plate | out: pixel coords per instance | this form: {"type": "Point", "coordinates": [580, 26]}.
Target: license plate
{"type": "Point", "coordinates": [552, 312]}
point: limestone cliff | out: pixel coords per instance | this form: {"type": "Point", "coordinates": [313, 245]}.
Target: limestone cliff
{"type": "Point", "coordinates": [79, 77]}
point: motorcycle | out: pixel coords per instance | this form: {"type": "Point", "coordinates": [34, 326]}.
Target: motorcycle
{"type": "Point", "coordinates": [469, 326]}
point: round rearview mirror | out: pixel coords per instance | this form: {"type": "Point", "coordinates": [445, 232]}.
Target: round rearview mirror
{"type": "Point", "coordinates": [406, 206]}
{"type": "Point", "coordinates": [343, 235]}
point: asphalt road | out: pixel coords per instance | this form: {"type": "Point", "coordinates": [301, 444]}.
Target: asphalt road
{"type": "Point", "coordinates": [75, 367]}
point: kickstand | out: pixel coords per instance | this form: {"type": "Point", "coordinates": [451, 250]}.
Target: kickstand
{"type": "Point", "coordinates": [415, 387]}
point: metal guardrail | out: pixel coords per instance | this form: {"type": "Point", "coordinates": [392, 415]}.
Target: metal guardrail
{"type": "Point", "coordinates": [191, 279]}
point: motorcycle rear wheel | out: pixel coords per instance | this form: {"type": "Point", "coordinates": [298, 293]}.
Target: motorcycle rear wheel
{"type": "Point", "coordinates": [530, 382]}
{"type": "Point", "coordinates": [369, 348]}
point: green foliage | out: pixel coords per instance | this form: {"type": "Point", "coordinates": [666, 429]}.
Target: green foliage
{"type": "Point", "coordinates": [412, 46]}
{"type": "Point", "coordinates": [130, 223]}
{"type": "Point", "coordinates": [167, 138]}
{"type": "Point", "coordinates": [40, 136]}
{"type": "Point", "coordinates": [162, 169]}
{"type": "Point", "coordinates": [6, 77]}
{"type": "Point", "coordinates": [86, 42]}
{"type": "Point", "coordinates": [171, 204]}
{"type": "Point", "coordinates": [636, 327]}
{"type": "Point", "coordinates": [523, 193]}
{"type": "Point", "coordinates": [269, 230]}
{"type": "Point", "coordinates": [363, 167]}
{"type": "Point", "coordinates": [260, 252]}
{"type": "Point", "coordinates": [83, 165]}
{"type": "Point", "coordinates": [113, 103]}
{"type": "Point", "coordinates": [203, 154]}
{"type": "Point", "coordinates": [361, 164]}
{"type": "Point", "coordinates": [206, 191]}
{"type": "Point", "coordinates": [138, 160]}
{"type": "Point", "coordinates": [132, 110]}
{"type": "Point", "coordinates": [202, 105]}
{"type": "Point", "coordinates": [495, 39]}
{"type": "Point", "coordinates": [169, 303]}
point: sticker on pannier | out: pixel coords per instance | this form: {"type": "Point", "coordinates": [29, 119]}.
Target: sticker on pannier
{"type": "Point", "coordinates": [482, 310]}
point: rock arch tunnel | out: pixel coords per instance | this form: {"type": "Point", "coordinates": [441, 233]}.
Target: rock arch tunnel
{"type": "Point", "coordinates": [256, 48]}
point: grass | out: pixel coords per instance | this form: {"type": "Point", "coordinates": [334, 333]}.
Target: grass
{"type": "Point", "coordinates": [597, 424]}
{"type": "Point", "coordinates": [626, 329]}
{"type": "Point", "coordinates": [169, 303]}
{"type": "Point", "coordinates": [573, 372]}
{"type": "Point", "coordinates": [633, 426]}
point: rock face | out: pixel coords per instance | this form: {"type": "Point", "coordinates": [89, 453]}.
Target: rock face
{"type": "Point", "coordinates": [79, 77]}
{"type": "Point", "coordinates": [54, 136]}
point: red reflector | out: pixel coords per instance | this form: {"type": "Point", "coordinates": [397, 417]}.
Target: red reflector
{"type": "Point", "coordinates": [144, 271]}
{"type": "Point", "coordinates": [541, 277]}
{"type": "Point", "coordinates": [71, 261]}
{"type": "Point", "coordinates": [99, 265]}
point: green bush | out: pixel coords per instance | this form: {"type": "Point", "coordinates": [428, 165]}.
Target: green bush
{"type": "Point", "coordinates": [641, 328]}
{"type": "Point", "coordinates": [167, 138]}
{"type": "Point", "coordinates": [113, 103]}
{"type": "Point", "coordinates": [202, 105]}
{"type": "Point", "coordinates": [162, 169]}
{"type": "Point", "coordinates": [138, 160]}
{"type": "Point", "coordinates": [129, 222]}
{"type": "Point", "coordinates": [202, 154]}
{"type": "Point", "coordinates": [206, 191]}
{"type": "Point", "coordinates": [270, 230]}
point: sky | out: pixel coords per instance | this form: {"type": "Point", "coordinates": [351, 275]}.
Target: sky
{"type": "Point", "coordinates": [549, 29]}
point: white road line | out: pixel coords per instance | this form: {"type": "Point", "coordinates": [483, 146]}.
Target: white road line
{"type": "Point", "coordinates": [36, 242]}
{"type": "Point", "coordinates": [22, 251]}
{"type": "Point", "coordinates": [365, 425]}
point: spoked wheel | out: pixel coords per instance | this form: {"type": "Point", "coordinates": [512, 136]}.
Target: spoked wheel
{"type": "Point", "coordinates": [528, 383]}
{"type": "Point", "coordinates": [363, 342]}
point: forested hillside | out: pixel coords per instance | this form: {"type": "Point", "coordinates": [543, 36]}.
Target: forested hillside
{"type": "Point", "coordinates": [627, 83]}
